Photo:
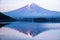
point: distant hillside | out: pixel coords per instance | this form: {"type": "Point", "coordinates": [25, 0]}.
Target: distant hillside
{"type": "Point", "coordinates": [4, 19]}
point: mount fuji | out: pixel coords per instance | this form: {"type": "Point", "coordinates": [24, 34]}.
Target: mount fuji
{"type": "Point", "coordinates": [32, 11]}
